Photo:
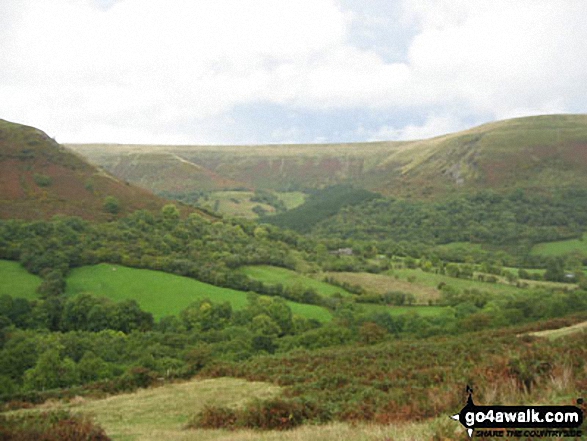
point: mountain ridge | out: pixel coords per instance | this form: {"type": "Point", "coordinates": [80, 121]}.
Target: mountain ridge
{"type": "Point", "coordinates": [531, 152]}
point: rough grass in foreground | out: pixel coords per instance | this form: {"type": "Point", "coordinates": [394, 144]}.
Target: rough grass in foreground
{"type": "Point", "coordinates": [161, 293]}
{"type": "Point", "coordinates": [15, 281]}
{"type": "Point", "coordinates": [161, 414]}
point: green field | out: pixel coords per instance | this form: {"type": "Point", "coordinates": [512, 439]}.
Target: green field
{"type": "Point", "coordinates": [292, 199]}
{"type": "Point", "coordinates": [235, 203]}
{"type": "Point", "coordinates": [424, 311]}
{"type": "Point", "coordinates": [161, 293]}
{"type": "Point", "coordinates": [15, 281]}
{"type": "Point", "coordinates": [461, 247]}
{"type": "Point", "coordinates": [273, 275]}
{"type": "Point", "coordinates": [562, 247]}
{"type": "Point", "coordinates": [238, 203]}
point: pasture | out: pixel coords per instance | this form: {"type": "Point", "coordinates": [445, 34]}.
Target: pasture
{"type": "Point", "coordinates": [381, 284]}
{"type": "Point", "coordinates": [273, 275]}
{"type": "Point", "coordinates": [15, 281]}
{"type": "Point", "coordinates": [394, 311]}
{"type": "Point", "coordinates": [236, 203]}
{"type": "Point", "coordinates": [161, 293]}
{"type": "Point", "coordinates": [562, 247]}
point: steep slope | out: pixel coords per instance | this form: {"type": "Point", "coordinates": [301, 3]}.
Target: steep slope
{"type": "Point", "coordinates": [535, 153]}
{"type": "Point", "coordinates": [272, 167]}
{"type": "Point", "coordinates": [39, 178]}
{"type": "Point", "coordinates": [538, 153]}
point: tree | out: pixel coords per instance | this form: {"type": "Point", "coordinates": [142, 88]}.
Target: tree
{"type": "Point", "coordinates": [555, 270]}
{"type": "Point", "coordinates": [51, 372]}
{"type": "Point", "coordinates": [170, 212]}
{"type": "Point", "coordinates": [92, 368]}
{"type": "Point", "coordinates": [53, 284]}
{"type": "Point", "coordinates": [264, 325]}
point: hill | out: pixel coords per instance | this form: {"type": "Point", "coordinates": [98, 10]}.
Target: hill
{"type": "Point", "coordinates": [533, 153]}
{"type": "Point", "coordinates": [39, 178]}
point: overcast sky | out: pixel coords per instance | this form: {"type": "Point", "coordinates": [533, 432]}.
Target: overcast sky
{"type": "Point", "coordinates": [272, 71]}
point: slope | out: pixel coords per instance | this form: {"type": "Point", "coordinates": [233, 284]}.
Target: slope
{"type": "Point", "coordinates": [39, 178]}
{"type": "Point", "coordinates": [533, 152]}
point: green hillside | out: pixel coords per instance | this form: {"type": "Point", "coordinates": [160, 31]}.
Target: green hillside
{"type": "Point", "coordinates": [534, 152]}
{"type": "Point", "coordinates": [161, 293]}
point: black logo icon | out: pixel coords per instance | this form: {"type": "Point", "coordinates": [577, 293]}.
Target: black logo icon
{"type": "Point", "coordinates": [519, 417]}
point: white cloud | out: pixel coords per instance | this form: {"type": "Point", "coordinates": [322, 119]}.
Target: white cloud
{"type": "Point", "coordinates": [501, 55]}
{"type": "Point", "coordinates": [160, 71]}
{"type": "Point", "coordinates": [433, 126]}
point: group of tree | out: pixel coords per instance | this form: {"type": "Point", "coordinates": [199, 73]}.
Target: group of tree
{"type": "Point", "coordinates": [517, 218]}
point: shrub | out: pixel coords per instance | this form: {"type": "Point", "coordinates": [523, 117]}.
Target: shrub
{"type": "Point", "coordinates": [50, 426]}
{"type": "Point", "coordinates": [42, 180]}
{"type": "Point", "coordinates": [111, 205]}
{"type": "Point", "coordinates": [275, 414]}
{"type": "Point", "coordinates": [272, 414]}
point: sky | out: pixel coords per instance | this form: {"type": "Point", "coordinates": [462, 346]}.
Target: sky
{"type": "Point", "coordinates": [286, 71]}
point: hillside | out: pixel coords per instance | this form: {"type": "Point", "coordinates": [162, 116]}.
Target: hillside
{"type": "Point", "coordinates": [534, 153]}
{"type": "Point", "coordinates": [39, 178]}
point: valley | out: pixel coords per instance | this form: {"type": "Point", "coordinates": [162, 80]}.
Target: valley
{"type": "Point", "coordinates": [291, 291]}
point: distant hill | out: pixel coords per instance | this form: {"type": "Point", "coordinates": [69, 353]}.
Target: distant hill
{"type": "Point", "coordinates": [39, 178]}
{"type": "Point", "coordinates": [534, 153]}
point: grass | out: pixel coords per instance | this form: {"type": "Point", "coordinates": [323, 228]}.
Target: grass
{"type": "Point", "coordinates": [15, 281]}
{"type": "Point", "coordinates": [553, 334]}
{"type": "Point", "coordinates": [160, 414]}
{"type": "Point", "coordinates": [380, 284]}
{"type": "Point", "coordinates": [236, 203]}
{"type": "Point", "coordinates": [292, 199]}
{"type": "Point", "coordinates": [535, 153]}
{"type": "Point", "coordinates": [433, 280]}
{"type": "Point", "coordinates": [562, 247]}
{"type": "Point", "coordinates": [424, 311]}
{"type": "Point", "coordinates": [273, 275]}
{"type": "Point", "coordinates": [161, 293]}
{"type": "Point", "coordinates": [463, 247]}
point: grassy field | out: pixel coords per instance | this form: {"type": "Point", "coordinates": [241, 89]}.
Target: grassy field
{"type": "Point", "coordinates": [160, 293]}
{"type": "Point", "coordinates": [292, 199]}
{"type": "Point", "coordinates": [422, 278]}
{"type": "Point", "coordinates": [272, 275]}
{"type": "Point", "coordinates": [160, 414]}
{"type": "Point", "coordinates": [239, 204]}
{"type": "Point", "coordinates": [236, 203]}
{"type": "Point", "coordinates": [462, 247]}
{"type": "Point", "coordinates": [562, 247]}
{"type": "Point", "coordinates": [424, 311]}
{"type": "Point", "coordinates": [553, 334]}
{"type": "Point", "coordinates": [380, 284]}
{"type": "Point", "coordinates": [15, 281]}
